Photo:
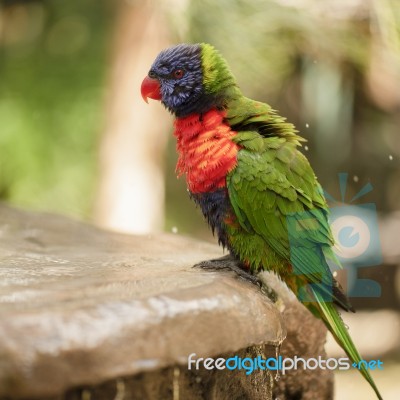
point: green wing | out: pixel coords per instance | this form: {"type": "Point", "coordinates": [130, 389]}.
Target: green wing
{"type": "Point", "coordinates": [275, 195]}
{"type": "Point", "coordinates": [272, 182]}
{"type": "Point", "coordinates": [244, 114]}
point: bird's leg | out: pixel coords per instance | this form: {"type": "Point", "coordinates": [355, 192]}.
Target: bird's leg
{"type": "Point", "coordinates": [230, 263]}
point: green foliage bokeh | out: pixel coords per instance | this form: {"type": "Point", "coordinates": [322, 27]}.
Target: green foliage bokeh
{"type": "Point", "coordinates": [313, 68]}
{"type": "Point", "coordinates": [52, 66]}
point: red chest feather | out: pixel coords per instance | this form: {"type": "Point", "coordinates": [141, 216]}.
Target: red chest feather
{"type": "Point", "coordinates": [206, 151]}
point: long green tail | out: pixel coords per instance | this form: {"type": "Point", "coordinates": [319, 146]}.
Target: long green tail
{"type": "Point", "coordinates": [334, 323]}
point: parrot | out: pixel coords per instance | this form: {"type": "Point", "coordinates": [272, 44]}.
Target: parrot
{"type": "Point", "coordinates": [254, 186]}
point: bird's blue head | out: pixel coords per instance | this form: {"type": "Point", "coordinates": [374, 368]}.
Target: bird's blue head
{"type": "Point", "coordinates": [189, 78]}
{"type": "Point", "coordinates": [176, 78]}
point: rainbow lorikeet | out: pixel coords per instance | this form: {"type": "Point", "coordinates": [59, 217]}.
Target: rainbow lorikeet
{"type": "Point", "coordinates": [255, 188]}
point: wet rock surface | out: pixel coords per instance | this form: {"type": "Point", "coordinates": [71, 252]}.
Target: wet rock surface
{"type": "Point", "coordinates": [91, 314]}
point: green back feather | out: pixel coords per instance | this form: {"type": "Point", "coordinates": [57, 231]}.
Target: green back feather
{"type": "Point", "coordinates": [217, 77]}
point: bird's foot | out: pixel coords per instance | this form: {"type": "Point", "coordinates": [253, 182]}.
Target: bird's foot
{"type": "Point", "coordinates": [229, 263]}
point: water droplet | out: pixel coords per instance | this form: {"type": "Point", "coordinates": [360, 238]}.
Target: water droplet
{"type": "Point", "coordinates": [86, 395]}
{"type": "Point", "coordinates": [175, 384]}
{"type": "Point", "coordinates": [346, 326]}
{"type": "Point", "coordinates": [390, 157]}
{"type": "Point", "coordinates": [174, 229]}
{"type": "Point", "coordinates": [307, 125]}
{"type": "Point", "coordinates": [355, 178]}
{"type": "Point", "coordinates": [306, 148]}
{"type": "Point", "coordinates": [277, 354]}
{"type": "Point", "coordinates": [120, 386]}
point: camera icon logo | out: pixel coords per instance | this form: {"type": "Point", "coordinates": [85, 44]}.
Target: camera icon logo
{"type": "Point", "coordinates": [357, 244]}
{"type": "Point", "coordinates": [356, 234]}
{"type": "Point", "coordinates": [352, 234]}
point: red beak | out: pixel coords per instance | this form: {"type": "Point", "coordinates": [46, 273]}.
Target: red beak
{"type": "Point", "coordinates": [150, 89]}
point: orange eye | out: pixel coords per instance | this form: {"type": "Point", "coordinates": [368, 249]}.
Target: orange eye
{"type": "Point", "coordinates": [178, 73]}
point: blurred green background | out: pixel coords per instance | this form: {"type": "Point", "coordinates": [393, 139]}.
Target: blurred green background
{"type": "Point", "coordinates": [52, 63]}
{"type": "Point", "coordinates": [76, 138]}
{"type": "Point", "coordinates": [331, 67]}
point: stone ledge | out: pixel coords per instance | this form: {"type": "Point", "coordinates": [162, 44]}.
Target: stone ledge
{"type": "Point", "coordinates": [80, 307]}
{"type": "Point", "coordinates": [89, 305]}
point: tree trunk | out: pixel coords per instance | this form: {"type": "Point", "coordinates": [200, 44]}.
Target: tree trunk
{"type": "Point", "coordinates": [131, 184]}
